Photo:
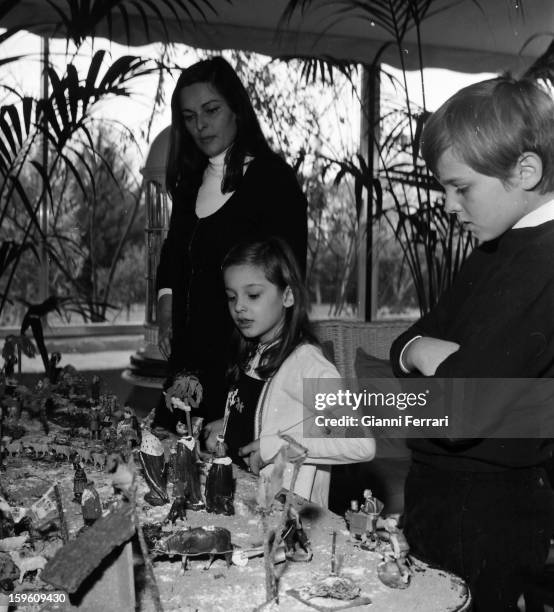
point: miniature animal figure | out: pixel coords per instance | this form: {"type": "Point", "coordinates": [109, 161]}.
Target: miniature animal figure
{"type": "Point", "coordinates": [39, 448]}
{"type": "Point", "coordinates": [62, 450]}
{"type": "Point", "coordinates": [210, 541]}
{"type": "Point", "coordinates": [14, 448]}
{"type": "Point", "coordinates": [85, 455]}
{"type": "Point", "coordinates": [27, 564]}
{"type": "Point", "coordinates": [99, 460]}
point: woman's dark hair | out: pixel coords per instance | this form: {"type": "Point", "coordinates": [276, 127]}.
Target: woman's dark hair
{"type": "Point", "coordinates": [276, 259]}
{"type": "Point", "coordinates": [186, 163]}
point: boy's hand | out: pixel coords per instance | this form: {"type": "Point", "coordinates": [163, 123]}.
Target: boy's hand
{"type": "Point", "coordinates": [252, 456]}
{"type": "Point", "coordinates": [426, 354]}
{"type": "Point", "coordinates": [210, 433]}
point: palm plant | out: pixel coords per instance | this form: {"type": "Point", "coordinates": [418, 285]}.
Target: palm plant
{"type": "Point", "coordinates": [401, 194]}
{"type": "Point", "coordinates": [64, 120]}
{"type": "Point", "coordinates": [75, 20]}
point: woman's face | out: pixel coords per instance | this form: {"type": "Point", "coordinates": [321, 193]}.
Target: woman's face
{"type": "Point", "coordinates": [207, 118]}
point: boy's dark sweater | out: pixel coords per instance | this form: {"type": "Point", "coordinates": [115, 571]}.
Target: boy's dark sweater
{"type": "Point", "coordinates": [500, 311]}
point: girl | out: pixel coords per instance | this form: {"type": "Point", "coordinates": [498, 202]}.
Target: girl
{"type": "Point", "coordinates": [275, 352]}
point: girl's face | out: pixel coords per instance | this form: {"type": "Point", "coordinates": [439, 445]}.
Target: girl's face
{"type": "Point", "coordinates": [207, 118]}
{"type": "Point", "coordinates": [257, 306]}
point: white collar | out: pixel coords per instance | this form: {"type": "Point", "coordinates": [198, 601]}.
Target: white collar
{"type": "Point", "coordinates": [217, 162]}
{"type": "Point", "coordinates": [542, 214]}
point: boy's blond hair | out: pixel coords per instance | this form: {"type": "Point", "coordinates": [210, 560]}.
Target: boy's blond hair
{"type": "Point", "coordinates": [490, 124]}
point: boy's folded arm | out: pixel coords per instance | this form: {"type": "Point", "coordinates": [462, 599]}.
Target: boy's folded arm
{"type": "Point", "coordinates": [431, 325]}
{"type": "Point", "coordinates": [425, 354]}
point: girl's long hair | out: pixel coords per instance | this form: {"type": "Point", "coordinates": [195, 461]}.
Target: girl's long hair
{"type": "Point", "coordinates": [186, 163]}
{"type": "Point", "coordinates": [275, 258]}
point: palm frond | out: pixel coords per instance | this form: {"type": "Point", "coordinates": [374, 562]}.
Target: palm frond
{"type": "Point", "coordinates": [542, 68]}
{"type": "Point", "coordinates": [79, 19]}
{"type": "Point", "coordinates": [396, 17]}
{"type": "Point", "coordinates": [321, 69]}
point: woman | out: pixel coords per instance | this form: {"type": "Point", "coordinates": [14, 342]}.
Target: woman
{"type": "Point", "coordinates": [227, 186]}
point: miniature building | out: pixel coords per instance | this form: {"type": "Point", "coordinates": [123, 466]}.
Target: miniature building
{"type": "Point", "coordinates": [96, 569]}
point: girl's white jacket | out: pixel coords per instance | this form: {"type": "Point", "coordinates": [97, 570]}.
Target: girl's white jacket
{"type": "Point", "coordinates": [281, 409]}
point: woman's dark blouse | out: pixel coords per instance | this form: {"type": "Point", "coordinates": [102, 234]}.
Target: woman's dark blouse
{"type": "Point", "coordinates": [268, 202]}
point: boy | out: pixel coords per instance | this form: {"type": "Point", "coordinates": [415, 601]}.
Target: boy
{"type": "Point", "coordinates": [483, 508]}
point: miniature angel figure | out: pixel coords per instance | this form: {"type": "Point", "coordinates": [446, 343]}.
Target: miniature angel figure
{"type": "Point", "coordinates": [153, 464]}
{"type": "Point", "coordinates": [79, 479]}
{"type": "Point", "coordinates": [185, 469]}
{"type": "Point", "coordinates": [220, 483]}
{"type": "Point", "coordinates": [91, 506]}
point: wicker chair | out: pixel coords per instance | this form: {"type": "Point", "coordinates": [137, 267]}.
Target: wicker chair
{"type": "Point", "coordinates": [384, 476]}
{"type": "Point", "coordinates": [347, 336]}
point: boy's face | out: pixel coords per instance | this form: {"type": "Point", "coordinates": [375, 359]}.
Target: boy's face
{"type": "Point", "coordinates": [484, 205]}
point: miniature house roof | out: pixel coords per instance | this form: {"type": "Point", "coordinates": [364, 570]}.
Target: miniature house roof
{"type": "Point", "coordinates": [73, 563]}
{"type": "Point", "coordinates": [466, 35]}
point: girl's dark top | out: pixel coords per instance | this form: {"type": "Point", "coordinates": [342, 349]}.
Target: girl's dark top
{"type": "Point", "coordinates": [240, 427]}
{"type": "Point", "coordinates": [501, 312]}
{"type": "Point", "coordinates": [268, 202]}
